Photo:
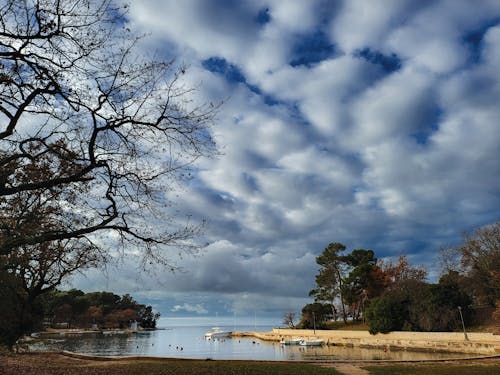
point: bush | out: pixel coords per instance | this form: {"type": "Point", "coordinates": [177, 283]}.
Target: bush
{"type": "Point", "coordinates": [385, 314]}
{"type": "Point", "coordinates": [314, 314]}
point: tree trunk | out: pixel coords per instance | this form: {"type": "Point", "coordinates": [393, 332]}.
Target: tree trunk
{"type": "Point", "coordinates": [344, 315]}
{"type": "Point", "coordinates": [334, 312]}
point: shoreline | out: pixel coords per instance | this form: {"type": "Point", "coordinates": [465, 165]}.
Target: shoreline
{"type": "Point", "coordinates": [478, 343]}
{"type": "Point", "coordinates": [81, 331]}
{"type": "Point", "coordinates": [349, 361]}
{"type": "Point", "coordinates": [49, 363]}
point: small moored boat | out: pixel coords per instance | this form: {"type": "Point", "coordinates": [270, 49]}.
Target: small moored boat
{"type": "Point", "coordinates": [291, 341]}
{"type": "Point", "coordinates": [217, 333]}
{"type": "Point", "coordinates": [312, 342]}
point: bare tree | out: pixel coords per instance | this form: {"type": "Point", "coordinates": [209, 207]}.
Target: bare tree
{"type": "Point", "coordinates": [449, 258]}
{"type": "Point", "coordinates": [113, 131]}
{"type": "Point", "coordinates": [289, 319]}
{"type": "Point", "coordinates": [480, 257]}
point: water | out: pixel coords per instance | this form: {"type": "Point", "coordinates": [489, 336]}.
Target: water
{"type": "Point", "coordinates": [184, 338]}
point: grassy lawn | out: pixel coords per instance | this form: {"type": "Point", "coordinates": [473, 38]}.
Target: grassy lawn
{"type": "Point", "coordinates": [441, 369]}
{"type": "Point", "coordinates": [55, 364]}
{"type": "Point", "coordinates": [197, 368]}
{"type": "Point", "coordinates": [350, 326]}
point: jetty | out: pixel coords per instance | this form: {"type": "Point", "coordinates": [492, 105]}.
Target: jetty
{"type": "Point", "coordinates": [479, 343]}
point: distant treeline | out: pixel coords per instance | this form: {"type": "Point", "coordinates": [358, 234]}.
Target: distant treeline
{"type": "Point", "coordinates": [76, 309]}
{"type": "Point", "coordinates": [19, 313]}
{"type": "Point", "coordinates": [392, 296]}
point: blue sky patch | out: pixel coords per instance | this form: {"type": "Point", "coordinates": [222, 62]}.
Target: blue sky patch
{"type": "Point", "coordinates": [312, 48]}
{"type": "Point", "coordinates": [234, 75]}
{"type": "Point", "coordinates": [431, 125]}
{"type": "Point", "coordinates": [263, 16]}
{"type": "Point", "coordinates": [390, 63]}
{"type": "Point", "coordinates": [474, 38]}
{"type": "Point", "coordinates": [221, 66]}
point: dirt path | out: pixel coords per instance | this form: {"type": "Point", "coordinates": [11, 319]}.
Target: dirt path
{"type": "Point", "coordinates": [348, 369]}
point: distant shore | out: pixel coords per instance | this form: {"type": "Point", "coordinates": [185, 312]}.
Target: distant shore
{"type": "Point", "coordinates": [49, 332]}
{"type": "Point", "coordinates": [92, 330]}
{"type": "Point", "coordinates": [479, 343]}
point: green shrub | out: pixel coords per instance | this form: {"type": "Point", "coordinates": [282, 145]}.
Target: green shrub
{"type": "Point", "coordinates": [385, 314]}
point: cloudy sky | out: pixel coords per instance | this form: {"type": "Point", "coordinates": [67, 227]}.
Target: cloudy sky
{"type": "Point", "coordinates": [371, 123]}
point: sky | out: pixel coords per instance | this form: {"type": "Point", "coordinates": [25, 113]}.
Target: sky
{"type": "Point", "coordinates": [371, 123]}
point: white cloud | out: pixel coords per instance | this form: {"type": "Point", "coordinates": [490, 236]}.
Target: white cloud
{"type": "Point", "coordinates": [491, 47]}
{"type": "Point", "coordinates": [392, 108]}
{"type": "Point", "coordinates": [360, 24]}
{"type": "Point", "coordinates": [198, 308]}
{"type": "Point", "coordinates": [400, 161]}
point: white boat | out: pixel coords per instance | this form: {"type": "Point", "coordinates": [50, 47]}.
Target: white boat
{"type": "Point", "coordinates": [291, 341]}
{"type": "Point", "coordinates": [217, 333]}
{"type": "Point", "coordinates": [312, 342]}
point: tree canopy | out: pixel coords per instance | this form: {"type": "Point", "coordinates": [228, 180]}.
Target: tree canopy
{"type": "Point", "coordinates": [77, 309]}
{"type": "Point", "coordinates": [480, 257]}
{"type": "Point", "coordinates": [347, 278]}
{"type": "Point", "coordinates": [394, 295]}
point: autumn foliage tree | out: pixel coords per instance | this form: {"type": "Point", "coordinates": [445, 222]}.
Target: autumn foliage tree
{"type": "Point", "coordinates": [395, 295]}
{"type": "Point", "coordinates": [39, 268]}
{"type": "Point", "coordinates": [410, 303]}
{"type": "Point", "coordinates": [94, 314]}
{"type": "Point", "coordinates": [401, 272]}
{"type": "Point", "coordinates": [104, 309]}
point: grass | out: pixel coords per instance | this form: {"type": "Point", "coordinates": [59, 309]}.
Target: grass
{"type": "Point", "coordinates": [441, 369]}
{"type": "Point", "coordinates": [41, 364]}
{"type": "Point", "coordinates": [56, 364]}
{"type": "Point", "coordinates": [350, 326]}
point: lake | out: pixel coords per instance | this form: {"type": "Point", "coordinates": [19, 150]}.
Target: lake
{"type": "Point", "coordinates": [184, 338]}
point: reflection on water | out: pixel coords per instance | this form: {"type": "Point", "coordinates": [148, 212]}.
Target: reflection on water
{"type": "Point", "coordinates": [188, 342]}
{"type": "Point", "coordinates": [346, 353]}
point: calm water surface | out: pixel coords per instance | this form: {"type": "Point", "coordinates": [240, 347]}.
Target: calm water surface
{"type": "Point", "coordinates": [184, 338]}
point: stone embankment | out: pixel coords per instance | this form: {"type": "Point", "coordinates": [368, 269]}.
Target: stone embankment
{"type": "Point", "coordinates": [475, 343]}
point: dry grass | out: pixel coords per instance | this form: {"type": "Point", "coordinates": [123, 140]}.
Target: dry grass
{"type": "Point", "coordinates": [488, 367]}
{"type": "Point", "coordinates": [56, 364]}
{"type": "Point", "coordinates": [350, 326]}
